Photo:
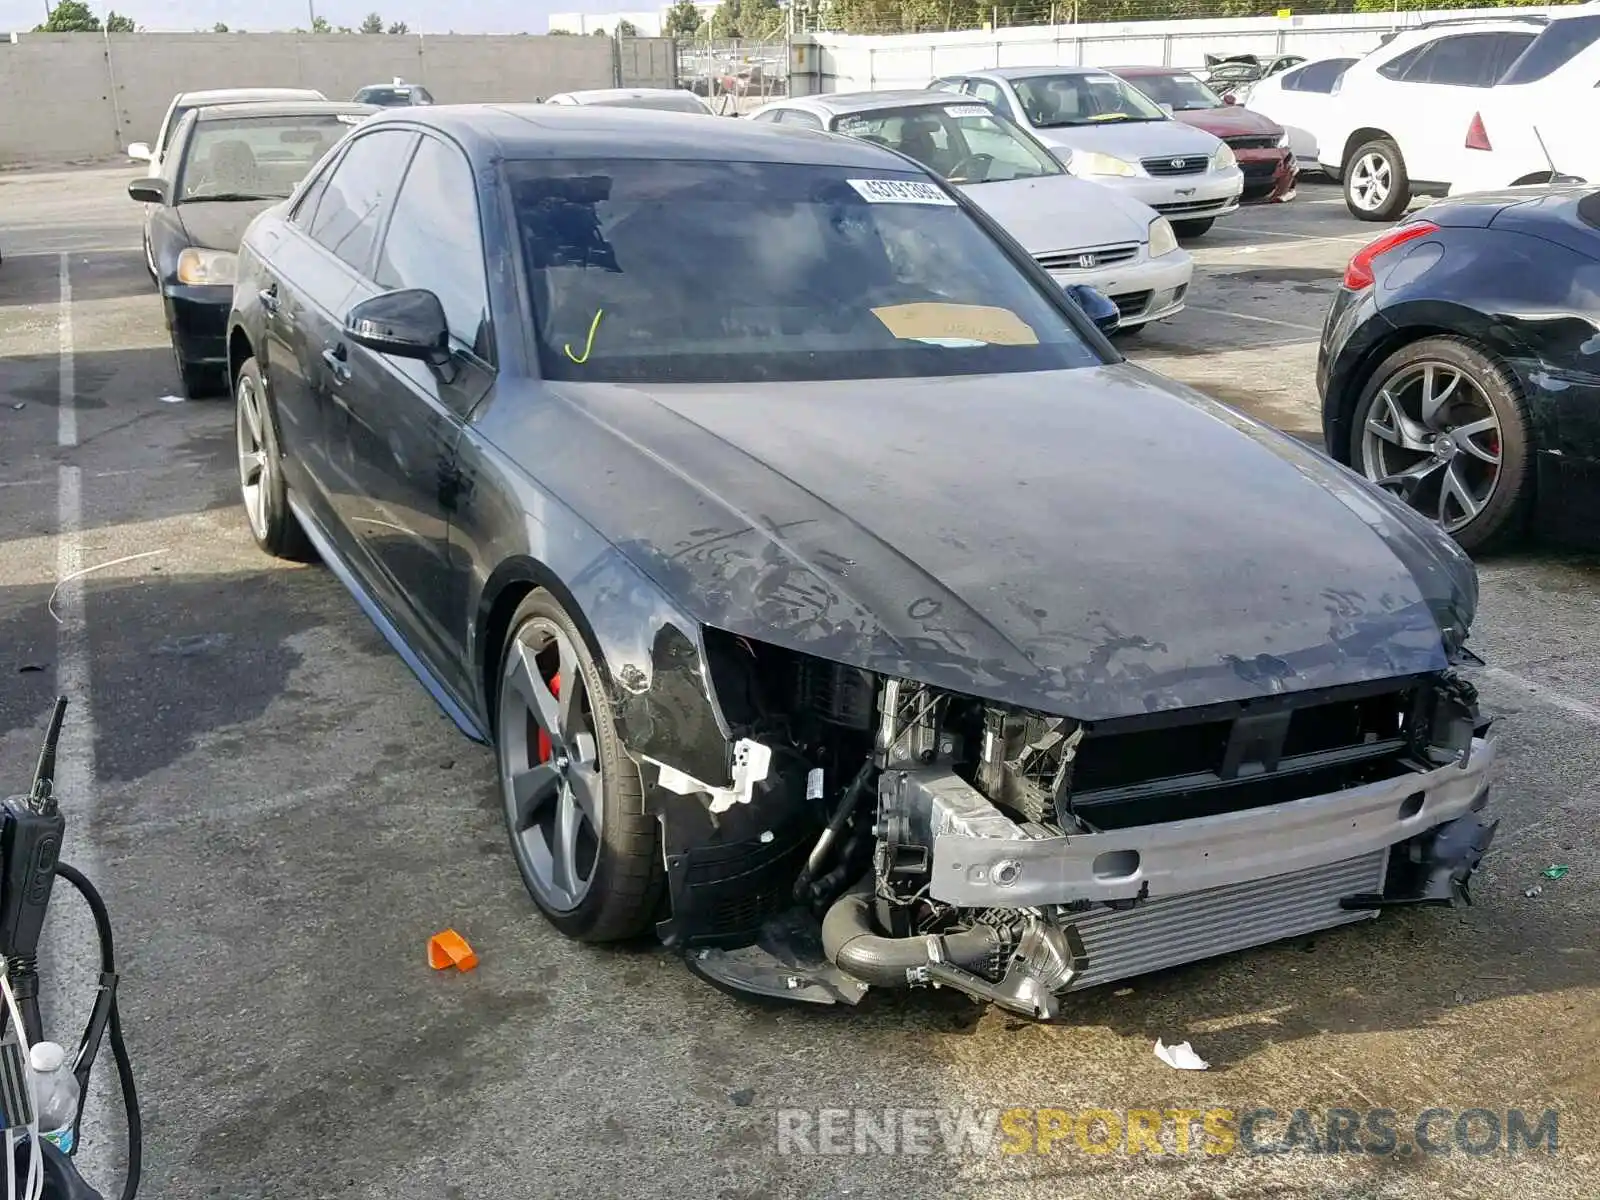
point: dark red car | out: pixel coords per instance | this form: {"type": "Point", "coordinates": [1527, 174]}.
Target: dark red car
{"type": "Point", "coordinates": [1260, 145]}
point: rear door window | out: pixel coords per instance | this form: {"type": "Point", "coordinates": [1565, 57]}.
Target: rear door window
{"type": "Point", "coordinates": [1400, 65]}
{"type": "Point", "coordinates": [1464, 60]}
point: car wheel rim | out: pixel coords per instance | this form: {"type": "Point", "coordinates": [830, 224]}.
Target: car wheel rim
{"type": "Point", "coordinates": [255, 466]}
{"type": "Point", "coordinates": [550, 776]}
{"type": "Point", "coordinates": [1370, 181]}
{"type": "Point", "coordinates": [1433, 439]}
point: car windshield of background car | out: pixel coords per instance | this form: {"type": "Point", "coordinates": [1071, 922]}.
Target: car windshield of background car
{"type": "Point", "coordinates": [1054, 100]}
{"type": "Point", "coordinates": [668, 271]}
{"type": "Point", "coordinates": [387, 97]}
{"type": "Point", "coordinates": [256, 158]}
{"type": "Point", "coordinates": [663, 101]}
{"type": "Point", "coordinates": [965, 143]}
{"type": "Point", "coordinates": [1184, 93]}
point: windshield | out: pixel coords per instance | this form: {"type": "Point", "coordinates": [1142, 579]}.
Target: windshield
{"type": "Point", "coordinates": [965, 143]}
{"type": "Point", "coordinates": [1183, 92]}
{"type": "Point", "coordinates": [696, 272]}
{"type": "Point", "coordinates": [171, 127]}
{"type": "Point", "coordinates": [256, 158]}
{"type": "Point", "coordinates": [1052, 100]}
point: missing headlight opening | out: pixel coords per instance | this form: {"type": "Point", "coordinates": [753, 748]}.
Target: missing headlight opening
{"type": "Point", "coordinates": [900, 835]}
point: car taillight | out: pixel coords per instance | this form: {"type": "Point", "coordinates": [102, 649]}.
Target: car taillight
{"type": "Point", "coordinates": [1477, 136]}
{"type": "Point", "coordinates": [1358, 274]}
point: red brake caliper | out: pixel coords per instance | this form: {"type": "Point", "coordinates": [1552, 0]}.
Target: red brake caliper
{"type": "Point", "coordinates": [544, 738]}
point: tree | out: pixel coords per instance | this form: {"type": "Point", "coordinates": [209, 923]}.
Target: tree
{"type": "Point", "coordinates": [117, 23]}
{"type": "Point", "coordinates": [746, 19]}
{"type": "Point", "coordinates": [627, 28]}
{"type": "Point", "coordinates": [219, 27]}
{"type": "Point", "coordinates": [320, 25]}
{"type": "Point", "coordinates": [70, 16]}
{"type": "Point", "coordinates": [399, 27]}
{"type": "Point", "coordinates": [683, 18]}
{"type": "Point", "coordinates": [599, 33]}
{"type": "Point", "coordinates": [372, 24]}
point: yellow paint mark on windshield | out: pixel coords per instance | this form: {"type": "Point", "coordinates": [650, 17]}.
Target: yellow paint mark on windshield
{"type": "Point", "coordinates": [969, 322]}
{"type": "Point", "coordinates": [588, 345]}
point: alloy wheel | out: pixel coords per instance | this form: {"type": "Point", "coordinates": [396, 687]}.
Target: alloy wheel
{"type": "Point", "coordinates": [1371, 178]}
{"type": "Point", "coordinates": [255, 463]}
{"type": "Point", "coordinates": [1432, 438]}
{"type": "Point", "coordinates": [550, 775]}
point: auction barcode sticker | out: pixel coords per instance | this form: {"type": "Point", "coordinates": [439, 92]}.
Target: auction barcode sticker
{"type": "Point", "coordinates": [899, 191]}
{"type": "Point", "coordinates": [970, 110]}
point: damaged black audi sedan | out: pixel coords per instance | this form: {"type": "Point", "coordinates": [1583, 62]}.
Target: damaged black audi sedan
{"type": "Point", "coordinates": [837, 600]}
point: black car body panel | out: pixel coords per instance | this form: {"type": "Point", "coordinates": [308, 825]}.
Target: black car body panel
{"type": "Point", "coordinates": [1517, 273]}
{"type": "Point", "coordinates": [768, 515]}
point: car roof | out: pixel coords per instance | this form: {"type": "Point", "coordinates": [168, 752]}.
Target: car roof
{"type": "Point", "coordinates": [236, 95]}
{"type": "Point", "coordinates": [284, 108]}
{"type": "Point", "coordinates": [599, 95]}
{"type": "Point", "coordinates": [1032, 72]}
{"type": "Point", "coordinates": [533, 131]}
{"type": "Point", "coordinates": [847, 102]}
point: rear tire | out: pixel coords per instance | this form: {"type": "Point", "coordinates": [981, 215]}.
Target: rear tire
{"type": "Point", "coordinates": [562, 765]}
{"type": "Point", "coordinates": [1478, 391]}
{"type": "Point", "coordinates": [1376, 186]}
{"type": "Point", "coordinates": [1193, 229]}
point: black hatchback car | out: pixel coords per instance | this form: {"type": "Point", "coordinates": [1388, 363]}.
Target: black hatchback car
{"type": "Point", "coordinates": [1460, 365]}
{"type": "Point", "coordinates": [788, 602]}
{"type": "Point", "coordinates": [224, 166]}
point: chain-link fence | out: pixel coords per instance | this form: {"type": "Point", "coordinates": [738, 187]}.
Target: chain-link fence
{"type": "Point", "coordinates": [734, 75]}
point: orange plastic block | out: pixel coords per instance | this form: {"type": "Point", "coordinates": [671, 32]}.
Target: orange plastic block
{"type": "Point", "coordinates": [450, 949]}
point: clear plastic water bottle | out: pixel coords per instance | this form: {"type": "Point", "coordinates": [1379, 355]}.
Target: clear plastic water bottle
{"type": "Point", "coordinates": [55, 1093]}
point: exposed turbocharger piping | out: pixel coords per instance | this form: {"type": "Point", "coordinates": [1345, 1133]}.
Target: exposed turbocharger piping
{"type": "Point", "coordinates": [849, 942]}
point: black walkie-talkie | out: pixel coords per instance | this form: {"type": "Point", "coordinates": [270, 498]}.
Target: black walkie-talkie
{"type": "Point", "coordinates": [31, 832]}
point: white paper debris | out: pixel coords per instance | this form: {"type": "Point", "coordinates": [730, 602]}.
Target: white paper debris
{"type": "Point", "coordinates": [1181, 1057]}
{"type": "Point", "coordinates": [173, 400]}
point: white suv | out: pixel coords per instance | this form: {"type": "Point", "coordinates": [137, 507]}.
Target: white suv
{"type": "Point", "coordinates": [1538, 124]}
{"type": "Point", "coordinates": [1396, 126]}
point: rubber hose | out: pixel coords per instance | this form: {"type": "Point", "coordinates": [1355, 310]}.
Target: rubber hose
{"type": "Point", "coordinates": [848, 941]}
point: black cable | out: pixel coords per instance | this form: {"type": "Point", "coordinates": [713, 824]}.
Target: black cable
{"type": "Point", "coordinates": [119, 1048]}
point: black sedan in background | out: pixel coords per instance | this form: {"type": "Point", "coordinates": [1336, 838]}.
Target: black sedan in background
{"type": "Point", "coordinates": [779, 597]}
{"type": "Point", "coordinates": [1460, 365]}
{"type": "Point", "coordinates": [226, 164]}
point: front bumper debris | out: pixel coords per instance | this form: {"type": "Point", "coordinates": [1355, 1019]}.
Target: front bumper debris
{"type": "Point", "coordinates": [1001, 866]}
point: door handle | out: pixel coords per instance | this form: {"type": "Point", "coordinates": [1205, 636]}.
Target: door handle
{"type": "Point", "coordinates": [269, 299]}
{"type": "Point", "coordinates": [334, 357]}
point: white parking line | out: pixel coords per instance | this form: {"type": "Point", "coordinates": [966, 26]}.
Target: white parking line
{"type": "Point", "coordinates": [1568, 704]}
{"type": "Point", "coordinates": [1228, 312]}
{"type": "Point", "coordinates": [1298, 237]}
{"type": "Point", "coordinates": [67, 417]}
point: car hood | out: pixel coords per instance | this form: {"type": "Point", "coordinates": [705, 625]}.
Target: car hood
{"type": "Point", "coordinates": [1059, 212]}
{"type": "Point", "coordinates": [219, 224]}
{"type": "Point", "coordinates": [1232, 120]}
{"type": "Point", "coordinates": [1095, 542]}
{"type": "Point", "coordinates": [1131, 139]}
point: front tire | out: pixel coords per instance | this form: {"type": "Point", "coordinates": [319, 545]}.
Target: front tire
{"type": "Point", "coordinates": [573, 801]}
{"type": "Point", "coordinates": [1444, 426]}
{"type": "Point", "coordinates": [1193, 229]}
{"type": "Point", "coordinates": [266, 498]}
{"type": "Point", "coordinates": [1376, 186]}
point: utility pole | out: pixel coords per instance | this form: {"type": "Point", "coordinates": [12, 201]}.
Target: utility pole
{"type": "Point", "coordinates": [311, 7]}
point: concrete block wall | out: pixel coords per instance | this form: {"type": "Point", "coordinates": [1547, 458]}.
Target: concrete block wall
{"type": "Point", "coordinates": [69, 97]}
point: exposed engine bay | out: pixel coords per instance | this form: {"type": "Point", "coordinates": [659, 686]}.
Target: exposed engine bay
{"type": "Point", "coordinates": [878, 832]}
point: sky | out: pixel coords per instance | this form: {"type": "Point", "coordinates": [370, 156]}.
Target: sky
{"type": "Point", "coordinates": [423, 16]}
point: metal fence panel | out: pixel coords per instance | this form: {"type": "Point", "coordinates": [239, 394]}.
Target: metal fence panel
{"type": "Point", "coordinates": [734, 75]}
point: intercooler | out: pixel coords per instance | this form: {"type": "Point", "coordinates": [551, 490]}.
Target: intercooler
{"type": "Point", "coordinates": [1183, 929]}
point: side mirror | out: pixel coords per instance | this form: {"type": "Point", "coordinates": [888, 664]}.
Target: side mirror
{"type": "Point", "coordinates": [406, 324]}
{"type": "Point", "coordinates": [1167, 108]}
{"type": "Point", "coordinates": [140, 150]}
{"type": "Point", "coordinates": [149, 191]}
{"type": "Point", "coordinates": [1096, 305]}
{"type": "Point", "coordinates": [1230, 99]}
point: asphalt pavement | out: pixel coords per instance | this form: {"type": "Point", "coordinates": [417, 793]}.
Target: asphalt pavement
{"type": "Point", "coordinates": [279, 818]}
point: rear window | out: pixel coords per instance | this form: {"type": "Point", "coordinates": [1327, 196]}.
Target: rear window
{"type": "Point", "coordinates": [1559, 44]}
{"type": "Point", "coordinates": [389, 97]}
{"type": "Point", "coordinates": [695, 272]}
{"type": "Point", "coordinates": [1316, 77]}
{"type": "Point", "coordinates": [964, 143]}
